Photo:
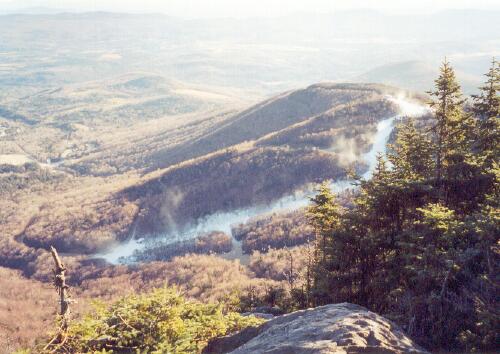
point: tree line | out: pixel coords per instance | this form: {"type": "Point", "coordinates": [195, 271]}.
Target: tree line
{"type": "Point", "coordinates": [421, 244]}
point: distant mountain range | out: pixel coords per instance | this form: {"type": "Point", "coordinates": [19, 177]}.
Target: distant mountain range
{"type": "Point", "coordinates": [39, 10]}
{"type": "Point", "coordinates": [263, 55]}
{"type": "Point", "coordinates": [416, 75]}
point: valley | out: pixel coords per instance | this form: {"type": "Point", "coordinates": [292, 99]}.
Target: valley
{"type": "Point", "coordinates": [101, 220]}
{"type": "Point", "coordinates": [211, 180]}
{"type": "Point", "coordinates": [225, 221]}
{"type": "Point", "coordinates": [82, 212]}
{"type": "Point", "coordinates": [144, 214]}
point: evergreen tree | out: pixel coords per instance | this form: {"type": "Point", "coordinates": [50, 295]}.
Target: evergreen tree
{"type": "Point", "coordinates": [426, 257]}
{"type": "Point", "coordinates": [324, 215]}
{"type": "Point", "coordinates": [487, 110]}
{"type": "Point", "coordinates": [411, 155]}
{"type": "Point", "coordinates": [380, 200]}
{"type": "Point", "coordinates": [377, 221]}
{"type": "Point", "coordinates": [431, 273]}
{"type": "Point", "coordinates": [453, 126]}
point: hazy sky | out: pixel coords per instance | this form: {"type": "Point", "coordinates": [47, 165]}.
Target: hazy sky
{"type": "Point", "coordinates": [249, 8]}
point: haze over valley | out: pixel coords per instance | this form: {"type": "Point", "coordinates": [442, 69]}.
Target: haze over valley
{"type": "Point", "coordinates": [154, 150]}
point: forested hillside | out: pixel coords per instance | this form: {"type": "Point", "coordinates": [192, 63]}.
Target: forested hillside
{"type": "Point", "coordinates": [418, 244]}
{"type": "Point", "coordinates": [285, 177]}
{"type": "Point", "coordinates": [421, 244]}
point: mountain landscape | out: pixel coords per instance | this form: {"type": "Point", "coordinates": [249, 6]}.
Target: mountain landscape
{"type": "Point", "coordinates": [415, 75]}
{"type": "Point", "coordinates": [308, 183]}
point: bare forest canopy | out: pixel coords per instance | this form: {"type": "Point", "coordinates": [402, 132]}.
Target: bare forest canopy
{"type": "Point", "coordinates": [189, 173]}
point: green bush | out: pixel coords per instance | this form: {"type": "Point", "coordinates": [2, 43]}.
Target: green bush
{"type": "Point", "coordinates": [158, 322]}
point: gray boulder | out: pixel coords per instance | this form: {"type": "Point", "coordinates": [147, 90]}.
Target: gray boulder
{"type": "Point", "coordinates": [339, 328]}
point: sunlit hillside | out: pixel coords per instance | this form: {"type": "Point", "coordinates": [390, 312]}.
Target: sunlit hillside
{"type": "Point", "coordinates": [244, 177]}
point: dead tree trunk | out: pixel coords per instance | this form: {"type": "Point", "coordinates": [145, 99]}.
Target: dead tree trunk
{"type": "Point", "coordinates": [62, 289]}
{"type": "Point", "coordinates": [57, 343]}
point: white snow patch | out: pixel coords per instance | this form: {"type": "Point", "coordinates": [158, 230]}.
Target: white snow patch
{"type": "Point", "coordinates": [223, 221]}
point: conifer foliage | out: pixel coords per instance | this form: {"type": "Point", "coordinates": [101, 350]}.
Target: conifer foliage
{"type": "Point", "coordinates": [487, 109]}
{"type": "Point", "coordinates": [324, 215]}
{"type": "Point", "coordinates": [158, 322]}
{"type": "Point", "coordinates": [421, 243]}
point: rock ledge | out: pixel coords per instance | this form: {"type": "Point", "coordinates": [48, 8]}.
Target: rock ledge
{"type": "Point", "coordinates": [339, 328]}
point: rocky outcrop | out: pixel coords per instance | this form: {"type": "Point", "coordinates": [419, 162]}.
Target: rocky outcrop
{"type": "Point", "coordinates": [340, 328]}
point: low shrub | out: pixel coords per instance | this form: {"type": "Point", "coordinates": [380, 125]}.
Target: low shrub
{"type": "Point", "coordinates": [161, 321]}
